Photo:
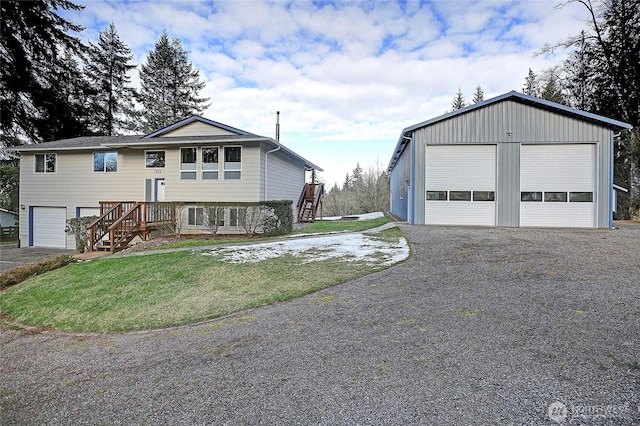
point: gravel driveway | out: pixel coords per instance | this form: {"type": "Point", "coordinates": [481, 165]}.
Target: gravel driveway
{"type": "Point", "coordinates": [481, 326]}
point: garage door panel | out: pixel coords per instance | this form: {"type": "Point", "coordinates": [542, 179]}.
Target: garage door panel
{"type": "Point", "coordinates": [465, 168]}
{"type": "Point", "coordinates": [48, 227]}
{"type": "Point", "coordinates": [567, 215]}
{"type": "Point", "coordinates": [461, 213]}
{"type": "Point", "coordinates": [563, 169]}
{"type": "Point", "coordinates": [461, 167]}
{"type": "Point", "coordinates": [554, 167]}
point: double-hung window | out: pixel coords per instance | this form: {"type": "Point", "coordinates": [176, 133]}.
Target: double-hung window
{"type": "Point", "coordinates": [188, 158]}
{"type": "Point", "coordinates": [232, 162]}
{"type": "Point", "coordinates": [105, 162]}
{"type": "Point", "coordinates": [45, 163]}
{"type": "Point", "coordinates": [209, 163]}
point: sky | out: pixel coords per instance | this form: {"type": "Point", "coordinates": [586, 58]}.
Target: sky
{"type": "Point", "coordinates": [346, 76]}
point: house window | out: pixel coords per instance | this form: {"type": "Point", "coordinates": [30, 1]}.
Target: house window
{"type": "Point", "coordinates": [45, 163]}
{"type": "Point", "coordinates": [459, 195]}
{"type": "Point", "coordinates": [233, 162]}
{"type": "Point", "coordinates": [531, 196]}
{"type": "Point", "coordinates": [581, 197]}
{"type": "Point", "coordinates": [188, 158]}
{"type": "Point", "coordinates": [233, 217]}
{"type": "Point", "coordinates": [436, 195]}
{"type": "Point", "coordinates": [106, 162]}
{"type": "Point", "coordinates": [210, 163]}
{"type": "Point", "coordinates": [154, 159]}
{"type": "Point", "coordinates": [555, 197]}
{"type": "Point", "coordinates": [195, 216]}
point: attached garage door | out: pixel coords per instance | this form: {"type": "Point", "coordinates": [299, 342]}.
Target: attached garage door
{"type": "Point", "coordinates": [48, 227]}
{"type": "Point", "coordinates": [460, 185]}
{"type": "Point", "coordinates": [557, 184]}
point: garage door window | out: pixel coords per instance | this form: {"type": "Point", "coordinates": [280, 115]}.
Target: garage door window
{"type": "Point", "coordinates": [555, 197]}
{"type": "Point", "coordinates": [460, 195]}
{"type": "Point", "coordinates": [531, 196]}
{"type": "Point", "coordinates": [436, 195]}
{"type": "Point", "coordinates": [45, 163]}
{"type": "Point", "coordinates": [581, 197]}
{"type": "Point", "coordinates": [484, 196]}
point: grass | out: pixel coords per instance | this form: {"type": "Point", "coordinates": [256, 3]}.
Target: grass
{"type": "Point", "coordinates": [195, 242]}
{"type": "Point", "coordinates": [342, 225]}
{"type": "Point", "coordinates": [167, 289]}
{"type": "Point", "coordinates": [314, 228]}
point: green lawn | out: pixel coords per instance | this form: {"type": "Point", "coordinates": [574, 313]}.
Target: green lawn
{"type": "Point", "coordinates": [166, 289]}
{"type": "Point", "coordinates": [313, 228]}
{"type": "Point", "coordinates": [342, 225]}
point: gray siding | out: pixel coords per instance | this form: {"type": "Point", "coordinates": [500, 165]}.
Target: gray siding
{"type": "Point", "coordinates": [508, 184]}
{"type": "Point", "coordinates": [285, 178]}
{"type": "Point", "coordinates": [509, 124]}
{"type": "Point", "coordinates": [400, 175]}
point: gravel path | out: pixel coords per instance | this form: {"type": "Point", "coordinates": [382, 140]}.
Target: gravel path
{"type": "Point", "coordinates": [480, 326]}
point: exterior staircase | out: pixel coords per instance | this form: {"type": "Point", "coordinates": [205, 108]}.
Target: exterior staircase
{"type": "Point", "coordinates": [310, 202]}
{"type": "Point", "coordinates": [121, 221]}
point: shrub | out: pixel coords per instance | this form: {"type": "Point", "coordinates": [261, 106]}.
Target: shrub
{"type": "Point", "coordinates": [21, 273]}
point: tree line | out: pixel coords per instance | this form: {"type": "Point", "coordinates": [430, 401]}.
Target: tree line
{"type": "Point", "coordinates": [601, 75]}
{"type": "Point", "coordinates": [363, 191]}
{"type": "Point", "coordinates": [53, 86]}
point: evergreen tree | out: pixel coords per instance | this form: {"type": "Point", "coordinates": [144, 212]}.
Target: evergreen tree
{"type": "Point", "coordinates": [66, 113]}
{"type": "Point", "coordinates": [611, 47]}
{"type": "Point", "coordinates": [169, 85]}
{"type": "Point", "coordinates": [106, 68]}
{"type": "Point", "coordinates": [551, 88]}
{"type": "Point", "coordinates": [478, 95]}
{"type": "Point", "coordinates": [530, 84]}
{"type": "Point", "coordinates": [32, 45]}
{"type": "Point", "coordinates": [458, 100]}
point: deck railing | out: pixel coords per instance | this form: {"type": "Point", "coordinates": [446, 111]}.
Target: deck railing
{"type": "Point", "coordinates": [123, 228]}
{"type": "Point", "coordinates": [119, 220]}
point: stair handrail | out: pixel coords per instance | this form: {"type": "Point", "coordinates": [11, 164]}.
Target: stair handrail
{"type": "Point", "coordinates": [99, 227]}
{"type": "Point", "coordinates": [118, 225]}
{"type": "Point", "coordinates": [318, 198]}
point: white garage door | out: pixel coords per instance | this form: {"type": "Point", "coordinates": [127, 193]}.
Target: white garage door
{"type": "Point", "coordinates": [557, 184]}
{"type": "Point", "coordinates": [460, 185]}
{"type": "Point", "coordinates": [48, 227]}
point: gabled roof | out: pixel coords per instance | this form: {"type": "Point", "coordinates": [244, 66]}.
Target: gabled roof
{"type": "Point", "coordinates": [515, 96]}
{"type": "Point", "coordinates": [153, 140]}
{"type": "Point", "coordinates": [191, 119]}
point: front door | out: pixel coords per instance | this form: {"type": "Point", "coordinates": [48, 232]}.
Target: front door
{"type": "Point", "coordinates": [160, 189]}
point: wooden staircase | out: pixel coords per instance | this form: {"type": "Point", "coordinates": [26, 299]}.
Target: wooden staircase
{"type": "Point", "coordinates": [121, 221]}
{"type": "Point", "coordinates": [310, 201]}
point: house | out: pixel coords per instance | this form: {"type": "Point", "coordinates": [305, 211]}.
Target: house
{"type": "Point", "coordinates": [194, 160]}
{"type": "Point", "coordinates": [514, 160]}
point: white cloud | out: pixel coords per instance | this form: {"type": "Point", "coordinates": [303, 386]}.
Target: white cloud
{"type": "Point", "coordinates": [347, 76]}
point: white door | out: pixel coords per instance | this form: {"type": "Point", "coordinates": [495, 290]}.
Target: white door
{"type": "Point", "coordinates": [460, 185]}
{"type": "Point", "coordinates": [160, 189]}
{"type": "Point", "coordinates": [48, 227]}
{"type": "Point", "coordinates": [557, 185]}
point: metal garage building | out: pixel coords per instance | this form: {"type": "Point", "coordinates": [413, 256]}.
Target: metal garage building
{"type": "Point", "coordinates": [514, 160]}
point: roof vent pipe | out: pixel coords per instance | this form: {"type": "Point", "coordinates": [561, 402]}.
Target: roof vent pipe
{"type": "Point", "coordinates": [278, 126]}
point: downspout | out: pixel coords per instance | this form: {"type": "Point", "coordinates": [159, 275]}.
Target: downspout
{"type": "Point", "coordinates": [266, 155]}
{"type": "Point", "coordinates": [612, 165]}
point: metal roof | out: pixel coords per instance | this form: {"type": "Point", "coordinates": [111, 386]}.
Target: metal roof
{"type": "Point", "coordinates": [403, 140]}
